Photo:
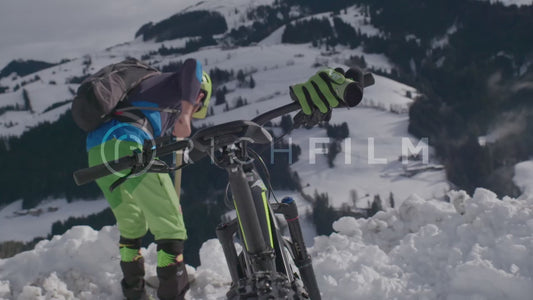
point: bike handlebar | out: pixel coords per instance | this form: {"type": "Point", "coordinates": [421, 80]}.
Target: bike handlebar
{"type": "Point", "coordinates": [141, 159]}
{"type": "Point", "coordinates": [87, 175]}
{"type": "Point", "coordinates": [364, 80]}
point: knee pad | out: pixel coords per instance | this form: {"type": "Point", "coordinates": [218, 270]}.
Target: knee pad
{"type": "Point", "coordinates": [130, 249]}
{"type": "Point", "coordinates": [169, 252]}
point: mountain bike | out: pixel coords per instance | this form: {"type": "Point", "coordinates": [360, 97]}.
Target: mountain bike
{"type": "Point", "coordinates": [270, 265]}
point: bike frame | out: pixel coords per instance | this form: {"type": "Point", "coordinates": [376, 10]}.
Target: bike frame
{"type": "Point", "coordinates": [264, 254]}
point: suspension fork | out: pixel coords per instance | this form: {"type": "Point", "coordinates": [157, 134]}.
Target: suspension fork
{"type": "Point", "coordinates": [301, 258]}
{"type": "Point", "coordinates": [268, 222]}
{"type": "Point", "coordinates": [225, 233]}
{"type": "Point", "coordinates": [261, 254]}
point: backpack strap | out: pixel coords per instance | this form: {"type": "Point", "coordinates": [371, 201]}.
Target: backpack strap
{"type": "Point", "coordinates": [131, 107]}
{"type": "Point", "coordinates": [135, 118]}
{"type": "Point", "coordinates": [134, 115]}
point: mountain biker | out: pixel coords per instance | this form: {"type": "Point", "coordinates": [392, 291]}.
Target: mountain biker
{"type": "Point", "coordinates": [149, 201]}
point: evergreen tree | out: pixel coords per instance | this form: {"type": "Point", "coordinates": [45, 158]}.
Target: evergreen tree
{"type": "Point", "coordinates": [334, 148]}
{"type": "Point", "coordinates": [286, 124]}
{"type": "Point", "coordinates": [252, 82]}
{"type": "Point", "coordinates": [376, 206]}
{"type": "Point", "coordinates": [240, 102]}
{"type": "Point", "coordinates": [323, 214]}
{"type": "Point", "coordinates": [27, 101]}
{"type": "Point", "coordinates": [220, 96]}
{"type": "Point", "coordinates": [240, 76]}
{"type": "Point", "coordinates": [354, 197]}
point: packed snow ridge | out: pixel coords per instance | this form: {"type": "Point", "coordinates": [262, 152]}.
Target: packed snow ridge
{"type": "Point", "coordinates": [476, 247]}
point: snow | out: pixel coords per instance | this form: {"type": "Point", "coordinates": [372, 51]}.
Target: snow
{"type": "Point", "coordinates": [511, 2]}
{"type": "Point", "coordinates": [443, 41]}
{"type": "Point", "coordinates": [37, 222]}
{"type": "Point", "coordinates": [477, 247]}
{"type": "Point", "coordinates": [274, 38]}
{"type": "Point", "coordinates": [362, 171]}
{"type": "Point", "coordinates": [43, 95]}
{"type": "Point", "coordinates": [12, 99]}
{"type": "Point", "coordinates": [427, 250]}
{"type": "Point", "coordinates": [234, 11]}
{"type": "Point", "coordinates": [523, 178]}
{"type": "Point", "coordinates": [17, 122]}
{"type": "Point", "coordinates": [355, 16]}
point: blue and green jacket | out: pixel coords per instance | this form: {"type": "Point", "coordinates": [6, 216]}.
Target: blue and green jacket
{"type": "Point", "coordinates": [162, 91]}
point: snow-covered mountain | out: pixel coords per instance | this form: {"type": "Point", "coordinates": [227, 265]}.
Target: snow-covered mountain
{"type": "Point", "coordinates": [380, 121]}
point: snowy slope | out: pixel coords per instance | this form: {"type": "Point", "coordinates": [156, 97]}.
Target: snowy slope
{"type": "Point", "coordinates": [381, 115]}
{"type": "Point", "coordinates": [235, 11]}
{"type": "Point", "coordinates": [37, 222]}
{"type": "Point", "coordinates": [479, 248]}
{"type": "Point", "coordinates": [511, 2]}
{"type": "Point", "coordinates": [52, 84]}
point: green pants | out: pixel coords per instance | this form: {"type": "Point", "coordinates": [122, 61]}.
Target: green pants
{"type": "Point", "coordinates": [145, 202]}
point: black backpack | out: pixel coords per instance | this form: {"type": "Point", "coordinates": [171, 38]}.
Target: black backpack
{"type": "Point", "coordinates": [99, 96]}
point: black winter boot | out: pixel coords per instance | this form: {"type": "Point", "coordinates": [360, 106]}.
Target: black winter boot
{"type": "Point", "coordinates": [173, 278]}
{"type": "Point", "coordinates": [173, 282]}
{"type": "Point", "coordinates": [133, 271]}
{"type": "Point", "coordinates": [133, 281]}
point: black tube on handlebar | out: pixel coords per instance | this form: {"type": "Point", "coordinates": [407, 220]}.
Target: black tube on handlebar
{"type": "Point", "coordinates": [278, 112]}
{"type": "Point", "coordinates": [87, 175]}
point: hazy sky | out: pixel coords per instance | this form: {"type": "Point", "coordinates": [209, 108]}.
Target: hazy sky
{"type": "Point", "coordinates": [54, 29]}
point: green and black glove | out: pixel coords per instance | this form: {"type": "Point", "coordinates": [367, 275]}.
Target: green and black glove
{"type": "Point", "coordinates": [326, 89]}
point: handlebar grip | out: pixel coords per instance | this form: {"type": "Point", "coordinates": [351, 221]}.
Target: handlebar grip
{"type": "Point", "coordinates": [353, 93]}
{"type": "Point", "coordinates": [87, 175]}
{"type": "Point", "coordinates": [368, 80]}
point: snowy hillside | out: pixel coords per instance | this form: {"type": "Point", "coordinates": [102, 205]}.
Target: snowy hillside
{"type": "Point", "coordinates": [512, 2]}
{"type": "Point", "coordinates": [382, 115]}
{"type": "Point", "coordinates": [475, 248]}
{"type": "Point", "coordinates": [37, 222]}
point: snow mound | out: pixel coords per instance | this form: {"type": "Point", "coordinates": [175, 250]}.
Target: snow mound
{"type": "Point", "coordinates": [476, 247]}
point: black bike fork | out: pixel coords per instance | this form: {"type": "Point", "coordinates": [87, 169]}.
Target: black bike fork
{"type": "Point", "coordinates": [301, 258]}
{"type": "Point", "coordinates": [225, 233]}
